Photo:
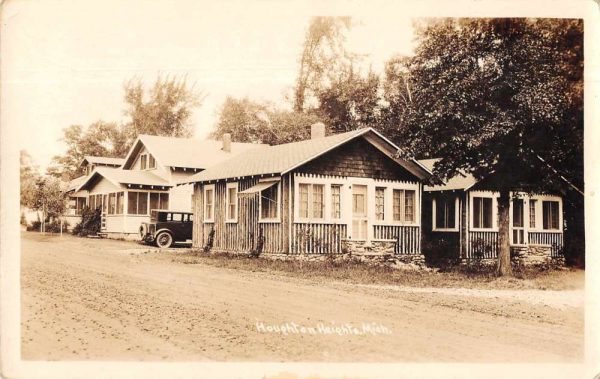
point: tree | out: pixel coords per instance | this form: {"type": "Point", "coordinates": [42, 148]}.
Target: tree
{"type": "Point", "coordinates": [350, 101]}
{"type": "Point", "coordinates": [49, 197]}
{"type": "Point", "coordinates": [28, 178]}
{"type": "Point", "coordinates": [98, 139]}
{"type": "Point", "coordinates": [249, 121]}
{"type": "Point", "coordinates": [323, 52]}
{"type": "Point", "coordinates": [165, 109]}
{"type": "Point", "coordinates": [492, 96]}
{"type": "Point", "coordinates": [397, 96]}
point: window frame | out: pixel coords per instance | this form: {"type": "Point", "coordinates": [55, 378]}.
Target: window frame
{"type": "Point", "coordinates": [151, 162]}
{"type": "Point", "coordinates": [522, 230]}
{"type": "Point", "coordinates": [381, 197]}
{"type": "Point", "coordinates": [208, 187]}
{"type": "Point", "coordinates": [550, 229]}
{"type": "Point", "coordinates": [328, 209]}
{"type": "Point", "coordinates": [143, 161]}
{"type": "Point", "coordinates": [434, 205]}
{"type": "Point", "coordinates": [137, 204]}
{"type": "Point", "coordinates": [483, 195]}
{"type": "Point", "coordinates": [228, 218]}
{"type": "Point", "coordinates": [277, 218]}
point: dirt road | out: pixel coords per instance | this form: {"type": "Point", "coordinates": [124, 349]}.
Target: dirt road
{"type": "Point", "coordinates": [111, 300]}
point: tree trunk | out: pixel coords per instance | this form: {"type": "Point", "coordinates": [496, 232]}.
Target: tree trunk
{"type": "Point", "coordinates": [504, 267]}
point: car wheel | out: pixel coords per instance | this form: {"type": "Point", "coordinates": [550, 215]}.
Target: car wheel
{"type": "Point", "coordinates": [164, 240]}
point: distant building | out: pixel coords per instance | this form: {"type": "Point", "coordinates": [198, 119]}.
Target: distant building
{"type": "Point", "coordinates": [145, 180]}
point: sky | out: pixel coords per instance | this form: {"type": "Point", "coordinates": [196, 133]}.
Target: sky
{"type": "Point", "coordinates": [65, 63]}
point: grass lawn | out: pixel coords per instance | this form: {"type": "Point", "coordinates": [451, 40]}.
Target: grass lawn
{"type": "Point", "coordinates": [357, 272]}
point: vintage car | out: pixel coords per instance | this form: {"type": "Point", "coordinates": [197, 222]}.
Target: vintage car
{"type": "Point", "coordinates": [167, 228]}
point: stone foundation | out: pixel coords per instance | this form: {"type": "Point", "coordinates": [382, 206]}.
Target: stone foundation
{"type": "Point", "coordinates": [380, 252]}
{"type": "Point", "coordinates": [535, 255]}
{"type": "Point", "coordinates": [525, 256]}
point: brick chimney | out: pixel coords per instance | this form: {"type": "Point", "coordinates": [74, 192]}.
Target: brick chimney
{"type": "Point", "coordinates": [317, 130]}
{"type": "Point", "coordinates": [227, 142]}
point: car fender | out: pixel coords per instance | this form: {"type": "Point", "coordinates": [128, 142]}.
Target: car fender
{"type": "Point", "coordinates": [163, 230]}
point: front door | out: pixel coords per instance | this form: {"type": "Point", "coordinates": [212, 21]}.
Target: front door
{"type": "Point", "coordinates": [359, 212]}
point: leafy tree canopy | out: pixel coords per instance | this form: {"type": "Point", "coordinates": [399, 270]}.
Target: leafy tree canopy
{"type": "Point", "coordinates": [164, 109]}
{"type": "Point", "coordinates": [249, 121]}
{"type": "Point", "coordinates": [490, 95]}
{"type": "Point", "coordinates": [99, 139]}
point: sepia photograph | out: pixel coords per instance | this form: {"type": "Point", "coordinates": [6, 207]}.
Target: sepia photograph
{"type": "Point", "coordinates": [298, 186]}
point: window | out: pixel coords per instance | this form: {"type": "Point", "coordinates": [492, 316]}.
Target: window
{"type": "Point", "coordinates": [336, 201]}
{"type": "Point", "coordinates": [159, 200]}
{"type": "Point", "coordinates": [232, 202]}
{"type": "Point", "coordinates": [137, 203]}
{"type": "Point", "coordinates": [151, 161]}
{"type": "Point", "coordinates": [550, 215]}
{"type": "Point", "coordinates": [397, 204]}
{"type": "Point", "coordinates": [518, 222]}
{"type": "Point", "coordinates": [311, 201]}
{"type": "Point", "coordinates": [318, 201]}
{"type": "Point", "coordinates": [92, 202]}
{"type": "Point", "coordinates": [445, 213]}
{"type": "Point", "coordinates": [269, 199]}
{"type": "Point", "coordinates": [303, 200]}
{"type": "Point", "coordinates": [80, 205]}
{"type": "Point", "coordinates": [379, 203]}
{"type": "Point", "coordinates": [532, 204]}
{"type": "Point", "coordinates": [120, 202]}
{"type": "Point", "coordinates": [209, 203]}
{"type": "Point", "coordinates": [143, 158]}
{"type": "Point", "coordinates": [111, 203]}
{"type": "Point", "coordinates": [403, 205]}
{"type": "Point", "coordinates": [482, 212]}
{"type": "Point", "coordinates": [409, 206]}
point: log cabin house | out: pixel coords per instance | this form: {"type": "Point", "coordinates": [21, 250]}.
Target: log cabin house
{"type": "Point", "coordinates": [145, 180]}
{"type": "Point", "coordinates": [462, 215]}
{"type": "Point", "coordinates": [312, 197]}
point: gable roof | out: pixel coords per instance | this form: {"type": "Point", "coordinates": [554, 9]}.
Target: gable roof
{"type": "Point", "coordinates": [462, 181]}
{"type": "Point", "coordinates": [118, 176]}
{"type": "Point", "coordinates": [102, 160]}
{"type": "Point", "coordinates": [73, 184]}
{"type": "Point", "coordinates": [184, 152]}
{"type": "Point", "coordinates": [280, 159]}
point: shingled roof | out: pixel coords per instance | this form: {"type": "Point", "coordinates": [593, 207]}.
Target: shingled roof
{"type": "Point", "coordinates": [118, 176]}
{"type": "Point", "coordinates": [185, 152]}
{"type": "Point", "coordinates": [103, 160]}
{"type": "Point", "coordinates": [462, 181]}
{"type": "Point", "coordinates": [280, 159]}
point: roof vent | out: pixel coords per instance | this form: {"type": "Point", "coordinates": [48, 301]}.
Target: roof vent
{"type": "Point", "coordinates": [226, 142]}
{"type": "Point", "coordinates": [317, 130]}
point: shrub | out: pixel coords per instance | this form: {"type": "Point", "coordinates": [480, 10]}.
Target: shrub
{"type": "Point", "coordinates": [90, 223]}
{"type": "Point", "coordinates": [440, 252]}
{"type": "Point", "coordinates": [34, 227]}
{"type": "Point", "coordinates": [50, 227]}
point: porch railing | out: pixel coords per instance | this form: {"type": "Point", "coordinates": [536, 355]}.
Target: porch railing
{"type": "Point", "coordinates": [408, 238]}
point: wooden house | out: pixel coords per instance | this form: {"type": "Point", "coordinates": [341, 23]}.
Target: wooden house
{"type": "Point", "coordinates": [462, 214]}
{"type": "Point", "coordinates": [78, 199]}
{"type": "Point", "coordinates": [146, 179]}
{"type": "Point", "coordinates": [311, 197]}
